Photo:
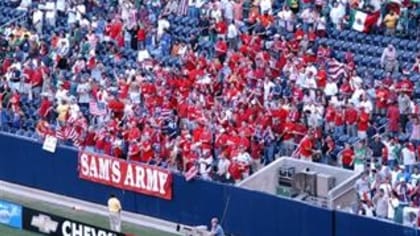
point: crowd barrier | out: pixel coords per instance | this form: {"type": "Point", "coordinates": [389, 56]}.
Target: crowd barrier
{"type": "Point", "coordinates": [242, 212]}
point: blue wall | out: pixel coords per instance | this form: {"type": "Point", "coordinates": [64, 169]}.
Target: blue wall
{"type": "Point", "coordinates": [244, 212]}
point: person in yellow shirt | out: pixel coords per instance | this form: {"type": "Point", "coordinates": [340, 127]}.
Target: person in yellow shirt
{"type": "Point", "coordinates": [62, 110]}
{"type": "Point", "coordinates": [390, 22]}
{"type": "Point", "coordinates": [114, 207]}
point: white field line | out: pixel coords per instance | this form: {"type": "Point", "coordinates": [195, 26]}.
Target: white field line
{"type": "Point", "coordinates": [75, 204]}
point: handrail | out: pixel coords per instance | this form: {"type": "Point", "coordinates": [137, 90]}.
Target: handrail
{"type": "Point", "coordinates": [14, 20]}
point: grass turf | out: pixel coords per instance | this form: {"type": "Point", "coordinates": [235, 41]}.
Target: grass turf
{"type": "Point", "coordinates": [89, 218]}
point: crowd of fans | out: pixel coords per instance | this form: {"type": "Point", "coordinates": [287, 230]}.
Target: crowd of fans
{"type": "Point", "coordinates": [221, 86]}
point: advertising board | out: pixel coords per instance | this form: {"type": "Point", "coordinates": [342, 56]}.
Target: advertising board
{"type": "Point", "coordinates": [10, 214]}
{"type": "Point", "coordinates": [49, 224]}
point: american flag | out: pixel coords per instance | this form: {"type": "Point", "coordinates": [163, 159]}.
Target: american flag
{"type": "Point", "coordinates": [191, 173]}
{"type": "Point", "coordinates": [166, 114]}
{"type": "Point", "coordinates": [63, 132]}
{"type": "Point", "coordinates": [182, 9]}
{"type": "Point", "coordinates": [337, 69]}
{"type": "Point", "coordinates": [97, 108]}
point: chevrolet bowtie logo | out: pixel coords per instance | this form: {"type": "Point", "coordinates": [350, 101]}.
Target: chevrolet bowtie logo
{"type": "Point", "coordinates": [44, 223]}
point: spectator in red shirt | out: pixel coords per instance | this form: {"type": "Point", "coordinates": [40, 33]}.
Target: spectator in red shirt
{"type": "Point", "coordinates": [347, 157]}
{"type": "Point", "coordinates": [382, 96]}
{"type": "Point", "coordinates": [306, 147]}
{"type": "Point", "coordinates": [393, 115]}
{"type": "Point", "coordinates": [363, 123]}
{"type": "Point", "coordinates": [287, 137]}
{"type": "Point", "coordinates": [339, 121]}
{"type": "Point", "coordinates": [351, 116]}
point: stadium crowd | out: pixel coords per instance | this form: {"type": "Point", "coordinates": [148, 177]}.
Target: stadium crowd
{"type": "Point", "coordinates": [219, 87]}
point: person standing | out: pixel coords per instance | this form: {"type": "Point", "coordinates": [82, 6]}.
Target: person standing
{"type": "Point", "coordinates": [114, 207]}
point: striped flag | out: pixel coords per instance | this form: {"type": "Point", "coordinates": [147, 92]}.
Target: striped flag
{"type": "Point", "coordinates": [182, 9]}
{"type": "Point", "coordinates": [191, 173]}
{"type": "Point", "coordinates": [97, 108]}
{"type": "Point", "coordinates": [337, 69]}
{"type": "Point", "coordinates": [61, 133]}
{"type": "Point", "coordinates": [166, 114]}
{"type": "Point", "coordinates": [72, 134]}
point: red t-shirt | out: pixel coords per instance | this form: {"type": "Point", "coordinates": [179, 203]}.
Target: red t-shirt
{"type": "Point", "coordinates": [350, 115]}
{"type": "Point", "coordinates": [146, 151]}
{"type": "Point", "coordinates": [382, 98]}
{"type": "Point", "coordinates": [347, 156]}
{"type": "Point", "coordinates": [44, 107]}
{"type": "Point", "coordinates": [330, 114]}
{"type": "Point", "coordinates": [306, 147]}
{"type": "Point", "coordinates": [363, 123]}
{"type": "Point", "coordinates": [289, 128]}
{"type": "Point", "coordinates": [221, 47]}
{"type": "Point", "coordinates": [339, 119]}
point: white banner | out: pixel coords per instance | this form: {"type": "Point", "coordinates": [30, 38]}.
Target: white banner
{"type": "Point", "coordinates": [50, 144]}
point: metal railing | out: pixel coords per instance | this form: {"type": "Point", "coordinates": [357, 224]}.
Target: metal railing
{"type": "Point", "coordinates": [20, 19]}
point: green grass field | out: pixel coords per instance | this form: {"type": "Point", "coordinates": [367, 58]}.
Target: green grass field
{"type": "Point", "coordinates": [82, 216]}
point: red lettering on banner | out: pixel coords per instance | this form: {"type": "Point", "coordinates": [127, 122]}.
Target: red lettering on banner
{"type": "Point", "coordinates": [137, 177]}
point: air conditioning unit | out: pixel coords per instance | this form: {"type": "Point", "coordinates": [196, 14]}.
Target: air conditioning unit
{"type": "Point", "coordinates": [305, 182]}
{"type": "Point", "coordinates": [324, 184]}
{"type": "Point", "coordinates": [285, 176]}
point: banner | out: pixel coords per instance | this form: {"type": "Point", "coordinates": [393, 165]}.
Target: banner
{"type": "Point", "coordinates": [10, 214]}
{"type": "Point", "coordinates": [50, 144]}
{"type": "Point", "coordinates": [49, 224]}
{"type": "Point", "coordinates": [136, 177]}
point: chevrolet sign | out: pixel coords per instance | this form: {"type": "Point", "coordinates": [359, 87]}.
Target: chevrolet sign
{"type": "Point", "coordinates": [69, 228]}
{"type": "Point", "coordinates": [49, 224]}
{"type": "Point", "coordinates": [44, 223]}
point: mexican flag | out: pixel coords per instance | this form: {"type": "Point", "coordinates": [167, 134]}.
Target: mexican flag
{"type": "Point", "coordinates": [362, 21]}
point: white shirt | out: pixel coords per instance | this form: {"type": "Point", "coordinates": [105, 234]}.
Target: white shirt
{"type": "Point", "coordinates": [204, 165]}
{"type": "Point", "coordinates": [244, 157]}
{"type": "Point", "coordinates": [61, 5]}
{"type": "Point", "coordinates": [163, 25]}
{"type": "Point", "coordinates": [284, 15]}
{"type": "Point", "coordinates": [216, 14]}
{"type": "Point", "coordinates": [267, 88]}
{"type": "Point", "coordinates": [135, 96]}
{"type": "Point", "coordinates": [307, 15]}
{"type": "Point", "coordinates": [265, 5]}
{"type": "Point", "coordinates": [143, 55]}
{"type": "Point", "coordinates": [309, 83]}
{"type": "Point", "coordinates": [356, 82]}
{"type": "Point", "coordinates": [331, 89]}
{"type": "Point", "coordinates": [61, 95]}
{"type": "Point", "coordinates": [409, 157]}
{"type": "Point", "coordinates": [367, 105]}
{"type": "Point", "coordinates": [83, 90]}
{"type": "Point", "coordinates": [228, 10]}
{"type": "Point", "coordinates": [223, 166]}
{"type": "Point", "coordinates": [337, 14]}
{"type": "Point", "coordinates": [381, 206]}
{"type": "Point", "coordinates": [232, 31]}
{"type": "Point", "coordinates": [74, 110]}
{"type": "Point", "coordinates": [322, 23]}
